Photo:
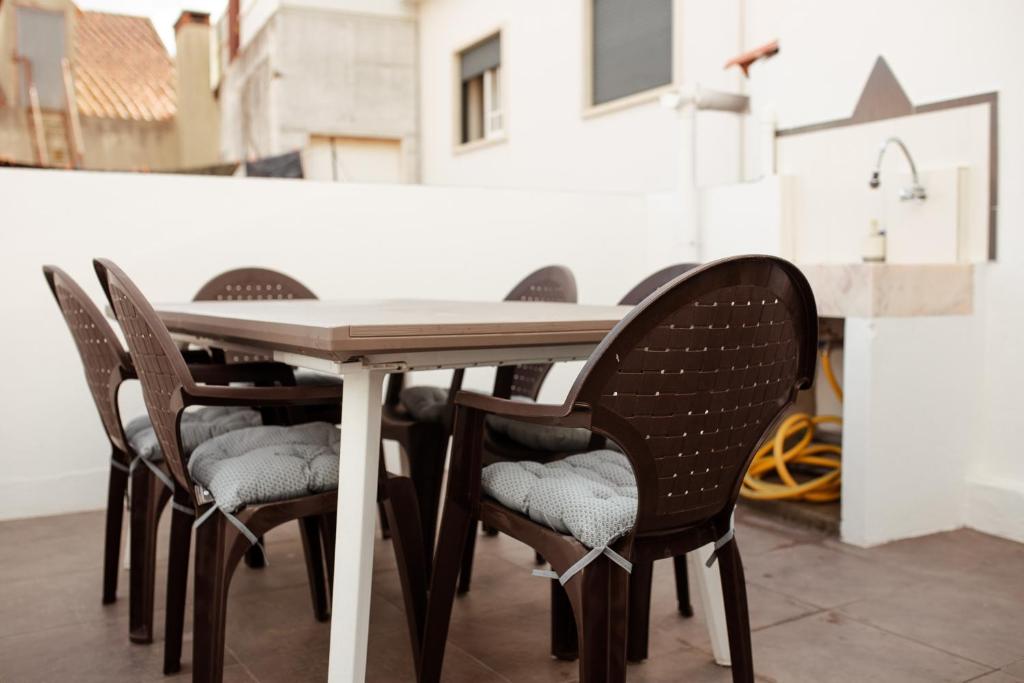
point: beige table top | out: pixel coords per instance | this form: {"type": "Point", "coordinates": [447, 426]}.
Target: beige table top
{"type": "Point", "coordinates": [340, 330]}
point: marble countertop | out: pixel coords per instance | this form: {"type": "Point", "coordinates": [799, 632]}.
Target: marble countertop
{"type": "Point", "coordinates": [891, 290]}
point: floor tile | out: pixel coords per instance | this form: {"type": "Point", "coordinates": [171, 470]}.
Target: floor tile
{"type": "Point", "coordinates": [982, 625]}
{"type": "Point", "coordinates": [833, 647]}
{"type": "Point", "coordinates": [820, 576]}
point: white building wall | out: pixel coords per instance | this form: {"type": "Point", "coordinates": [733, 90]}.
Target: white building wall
{"type": "Point", "coordinates": [550, 141]}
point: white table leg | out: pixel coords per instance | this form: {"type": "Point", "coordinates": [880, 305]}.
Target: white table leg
{"type": "Point", "coordinates": [357, 509]}
{"type": "Point", "coordinates": [709, 594]}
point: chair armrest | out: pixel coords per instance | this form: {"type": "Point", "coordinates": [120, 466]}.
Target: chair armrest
{"type": "Point", "coordinates": [260, 372]}
{"type": "Point", "coordinates": [559, 415]}
{"type": "Point", "coordinates": [210, 395]}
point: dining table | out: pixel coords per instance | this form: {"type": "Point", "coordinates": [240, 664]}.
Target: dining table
{"type": "Point", "coordinates": [363, 341]}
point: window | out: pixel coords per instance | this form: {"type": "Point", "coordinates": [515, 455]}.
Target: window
{"type": "Point", "coordinates": [40, 36]}
{"type": "Point", "coordinates": [631, 47]}
{"type": "Point", "coordinates": [480, 83]}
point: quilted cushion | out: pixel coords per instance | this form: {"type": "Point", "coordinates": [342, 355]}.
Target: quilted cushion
{"type": "Point", "coordinates": [196, 427]}
{"type": "Point", "coordinates": [426, 404]}
{"type": "Point", "coordinates": [266, 464]}
{"type": "Point", "coordinates": [312, 378]}
{"type": "Point", "coordinates": [591, 496]}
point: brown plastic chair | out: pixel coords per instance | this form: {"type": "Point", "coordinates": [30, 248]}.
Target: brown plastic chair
{"type": "Point", "coordinates": [563, 631]}
{"type": "Point", "coordinates": [426, 443]}
{"type": "Point", "coordinates": [687, 385]}
{"type": "Point", "coordinates": [107, 366]}
{"type": "Point", "coordinates": [258, 284]}
{"type": "Point", "coordinates": [168, 387]}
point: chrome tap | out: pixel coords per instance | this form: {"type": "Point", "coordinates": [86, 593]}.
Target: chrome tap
{"type": "Point", "coordinates": [916, 190]}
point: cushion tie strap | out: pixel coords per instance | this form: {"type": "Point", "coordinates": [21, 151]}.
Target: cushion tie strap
{"type": "Point", "coordinates": [581, 563]}
{"type": "Point", "coordinates": [157, 472]}
{"type": "Point", "coordinates": [235, 522]}
{"type": "Point", "coordinates": [726, 537]}
{"type": "Point", "coordinates": [182, 508]}
{"type": "Point", "coordinates": [120, 466]}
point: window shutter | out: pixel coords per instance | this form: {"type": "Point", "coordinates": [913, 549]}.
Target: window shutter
{"type": "Point", "coordinates": [481, 57]}
{"type": "Point", "coordinates": [40, 36]}
{"type": "Point", "coordinates": [632, 47]}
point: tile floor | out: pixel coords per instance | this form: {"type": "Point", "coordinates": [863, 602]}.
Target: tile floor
{"type": "Point", "coordinates": [948, 607]}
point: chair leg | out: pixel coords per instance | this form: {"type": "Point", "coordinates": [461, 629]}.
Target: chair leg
{"type": "Point", "coordinates": [402, 508]}
{"type": "Point", "coordinates": [116, 488]}
{"type": "Point", "coordinates": [466, 569]}
{"type": "Point", "coordinates": [682, 586]}
{"type": "Point", "coordinates": [385, 526]}
{"type": "Point", "coordinates": [456, 524]}
{"type": "Point", "coordinates": [734, 590]}
{"type": "Point", "coordinates": [601, 618]}
{"type": "Point", "coordinates": [328, 529]}
{"type": "Point", "coordinates": [148, 497]}
{"type": "Point", "coordinates": [426, 469]}
{"type": "Point", "coordinates": [254, 557]}
{"type": "Point", "coordinates": [211, 598]}
{"type": "Point", "coordinates": [312, 547]}
{"type": "Point", "coordinates": [177, 585]}
{"type": "Point", "coordinates": [564, 636]}
{"type": "Point", "coordinates": [639, 610]}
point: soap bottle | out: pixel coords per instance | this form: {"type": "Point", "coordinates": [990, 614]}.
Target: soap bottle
{"type": "Point", "coordinates": [874, 244]}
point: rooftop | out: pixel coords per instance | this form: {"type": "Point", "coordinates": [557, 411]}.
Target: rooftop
{"type": "Point", "coordinates": [109, 85]}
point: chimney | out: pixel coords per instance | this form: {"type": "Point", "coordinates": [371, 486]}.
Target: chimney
{"type": "Point", "coordinates": [234, 29]}
{"type": "Point", "coordinates": [198, 114]}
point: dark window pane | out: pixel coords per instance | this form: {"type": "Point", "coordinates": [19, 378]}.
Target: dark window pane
{"type": "Point", "coordinates": [632, 47]}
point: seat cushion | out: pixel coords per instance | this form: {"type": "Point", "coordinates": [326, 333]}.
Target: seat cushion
{"type": "Point", "coordinates": [266, 464]}
{"type": "Point", "coordinates": [591, 496]}
{"type": "Point", "coordinates": [427, 404]}
{"type": "Point", "coordinates": [196, 427]}
{"type": "Point", "coordinates": [540, 437]}
{"type": "Point", "coordinates": [312, 378]}
{"type": "Point", "coordinates": [424, 403]}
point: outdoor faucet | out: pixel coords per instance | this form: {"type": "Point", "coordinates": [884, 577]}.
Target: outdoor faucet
{"type": "Point", "coordinates": [915, 191]}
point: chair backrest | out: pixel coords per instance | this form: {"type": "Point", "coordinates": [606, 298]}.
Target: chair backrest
{"type": "Point", "coordinates": [552, 283]}
{"type": "Point", "coordinates": [252, 283]}
{"type": "Point", "coordinates": [691, 381]}
{"type": "Point", "coordinates": [248, 284]}
{"type": "Point", "coordinates": [106, 363]}
{"type": "Point", "coordinates": [158, 363]}
{"type": "Point", "coordinates": [651, 283]}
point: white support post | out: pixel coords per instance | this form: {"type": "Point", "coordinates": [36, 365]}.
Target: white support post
{"type": "Point", "coordinates": [357, 509]}
{"type": "Point", "coordinates": [712, 605]}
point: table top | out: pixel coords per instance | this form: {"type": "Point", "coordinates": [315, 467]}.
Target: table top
{"type": "Point", "coordinates": [340, 330]}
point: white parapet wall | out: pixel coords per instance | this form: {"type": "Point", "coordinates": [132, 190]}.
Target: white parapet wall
{"type": "Point", "coordinates": [171, 233]}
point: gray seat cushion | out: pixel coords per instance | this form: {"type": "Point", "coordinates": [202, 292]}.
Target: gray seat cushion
{"type": "Point", "coordinates": [312, 378]}
{"type": "Point", "coordinates": [591, 496]}
{"type": "Point", "coordinates": [267, 464]}
{"type": "Point", "coordinates": [424, 403]}
{"type": "Point", "coordinates": [427, 404]}
{"type": "Point", "coordinates": [196, 427]}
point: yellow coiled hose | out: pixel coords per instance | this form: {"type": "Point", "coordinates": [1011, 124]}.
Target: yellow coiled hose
{"type": "Point", "coordinates": [775, 457]}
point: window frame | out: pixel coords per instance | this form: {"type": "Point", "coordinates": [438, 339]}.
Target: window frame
{"type": "Point", "coordinates": [588, 108]}
{"type": "Point", "coordinates": [490, 136]}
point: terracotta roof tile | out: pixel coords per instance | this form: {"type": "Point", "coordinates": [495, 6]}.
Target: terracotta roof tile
{"type": "Point", "coordinates": [122, 70]}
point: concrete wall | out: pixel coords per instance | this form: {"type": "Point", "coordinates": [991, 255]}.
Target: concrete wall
{"type": "Point", "coordinates": [342, 240]}
{"type": "Point", "coordinates": [110, 144]}
{"type": "Point", "coordinates": [322, 69]}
